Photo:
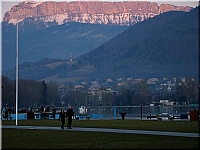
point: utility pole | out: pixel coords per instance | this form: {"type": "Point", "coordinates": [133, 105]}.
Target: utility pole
{"type": "Point", "coordinates": [17, 69]}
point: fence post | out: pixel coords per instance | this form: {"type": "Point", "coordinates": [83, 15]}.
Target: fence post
{"type": "Point", "coordinates": [115, 112]}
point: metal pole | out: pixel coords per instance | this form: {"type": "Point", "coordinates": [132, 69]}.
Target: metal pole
{"type": "Point", "coordinates": [17, 69]}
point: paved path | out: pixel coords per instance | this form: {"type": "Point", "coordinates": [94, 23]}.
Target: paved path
{"type": "Point", "coordinates": [106, 130]}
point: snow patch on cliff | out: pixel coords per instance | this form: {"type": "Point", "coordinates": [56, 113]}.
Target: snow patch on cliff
{"type": "Point", "coordinates": [14, 21]}
{"type": "Point", "coordinates": [119, 19]}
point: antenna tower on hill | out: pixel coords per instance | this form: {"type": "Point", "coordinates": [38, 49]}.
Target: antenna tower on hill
{"type": "Point", "coordinates": [71, 57]}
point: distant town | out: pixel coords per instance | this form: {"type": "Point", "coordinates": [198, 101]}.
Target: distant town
{"type": "Point", "coordinates": [132, 92]}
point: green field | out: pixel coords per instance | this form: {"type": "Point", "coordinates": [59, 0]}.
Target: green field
{"type": "Point", "coordinates": [46, 139]}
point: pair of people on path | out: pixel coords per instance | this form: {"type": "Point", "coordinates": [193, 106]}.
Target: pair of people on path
{"type": "Point", "coordinates": [69, 113]}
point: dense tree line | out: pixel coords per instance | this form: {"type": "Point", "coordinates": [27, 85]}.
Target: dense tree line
{"type": "Point", "coordinates": [30, 93]}
{"type": "Point", "coordinates": [127, 93]}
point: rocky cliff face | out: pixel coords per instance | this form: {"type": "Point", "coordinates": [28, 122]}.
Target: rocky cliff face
{"type": "Point", "coordinates": [95, 12]}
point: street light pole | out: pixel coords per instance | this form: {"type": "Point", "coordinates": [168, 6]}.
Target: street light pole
{"type": "Point", "coordinates": [17, 69]}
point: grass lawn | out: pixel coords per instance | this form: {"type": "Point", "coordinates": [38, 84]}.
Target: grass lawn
{"type": "Point", "coordinates": [48, 139]}
{"type": "Point", "coordinates": [177, 126]}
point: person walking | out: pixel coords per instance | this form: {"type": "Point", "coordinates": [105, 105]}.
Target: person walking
{"type": "Point", "coordinates": [6, 114]}
{"type": "Point", "coordinates": [62, 118]}
{"type": "Point", "coordinates": [54, 113]}
{"type": "Point", "coordinates": [69, 114]}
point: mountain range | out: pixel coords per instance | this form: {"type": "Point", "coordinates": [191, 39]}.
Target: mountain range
{"type": "Point", "coordinates": [51, 29]}
{"type": "Point", "coordinates": [94, 12]}
{"type": "Point", "coordinates": [165, 45]}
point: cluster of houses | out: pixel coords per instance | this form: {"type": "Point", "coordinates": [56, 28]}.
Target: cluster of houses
{"type": "Point", "coordinates": [159, 87]}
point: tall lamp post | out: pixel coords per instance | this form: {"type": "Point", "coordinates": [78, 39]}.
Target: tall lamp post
{"type": "Point", "coordinates": [17, 68]}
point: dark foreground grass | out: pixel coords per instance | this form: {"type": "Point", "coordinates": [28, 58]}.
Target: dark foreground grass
{"type": "Point", "coordinates": [43, 139]}
{"type": "Point", "coordinates": [46, 139]}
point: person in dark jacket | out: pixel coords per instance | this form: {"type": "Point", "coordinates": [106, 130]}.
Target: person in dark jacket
{"type": "Point", "coordinates": [54, 113]}
{"type": "Point", "coordinates": [62, 118]}
{"type": "Point", "coordinates": [69, 114]}
{"type": "Point", "coordinates": [6, 114]}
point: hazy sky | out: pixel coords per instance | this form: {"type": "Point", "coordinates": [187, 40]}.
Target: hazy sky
{"type": "Point", "coordinates": [6, 5]}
